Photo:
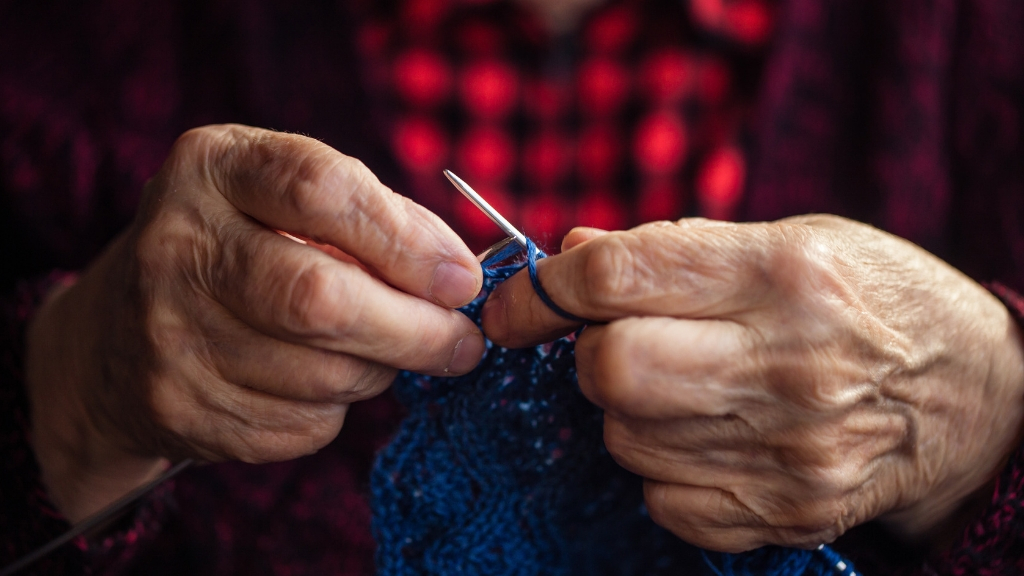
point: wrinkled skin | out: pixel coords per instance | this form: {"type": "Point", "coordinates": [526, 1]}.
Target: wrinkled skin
{"type": "Point", "coordinates": [202, 332]}
{"type": "Point", "coordinates": [779, 383]}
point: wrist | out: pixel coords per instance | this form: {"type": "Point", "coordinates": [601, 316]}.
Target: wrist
{"type": "Point", "coordinates": [83, 468]}
{"type": "Point", "coordinates": [978, 447]}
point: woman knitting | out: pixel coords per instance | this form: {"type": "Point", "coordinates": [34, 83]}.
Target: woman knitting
{"type": "Point", "coordinates": [797, 380]}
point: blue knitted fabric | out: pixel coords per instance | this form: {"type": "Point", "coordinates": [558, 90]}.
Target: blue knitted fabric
{"type": "Point", "coordinates": [503, 471]}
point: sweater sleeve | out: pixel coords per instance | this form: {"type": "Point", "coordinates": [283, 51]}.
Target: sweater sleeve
{"type": "Point", "coordinates": [28, 518]}
{"type": "Point", "coordinates": [993, 543]}
{"type": "Point", "coordinates": [88, 105]}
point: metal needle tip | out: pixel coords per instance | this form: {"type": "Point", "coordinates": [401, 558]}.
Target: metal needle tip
{"type": "Point", "coordinates": [486, 208]}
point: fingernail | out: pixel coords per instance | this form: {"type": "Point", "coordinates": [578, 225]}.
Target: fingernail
{"type": "Point", "coordinates": [453, 285]}
{"type": "Point", "coordinates": [467, 354]}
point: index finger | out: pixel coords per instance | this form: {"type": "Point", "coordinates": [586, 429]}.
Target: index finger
{"type": "Point", "coordinates": [300, 185]}
{"type": "Point", "coordinates": [686, 269]}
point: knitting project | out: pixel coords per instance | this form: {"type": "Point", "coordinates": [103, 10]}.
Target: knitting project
{"type": "Point", "coordinates": [503, 471]}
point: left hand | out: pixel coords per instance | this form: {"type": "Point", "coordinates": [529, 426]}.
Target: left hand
{"type": "Point", "coordinates": [780, 383]}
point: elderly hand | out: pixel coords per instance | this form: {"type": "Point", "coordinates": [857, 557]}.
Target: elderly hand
{"type": "Point", "coordinates": [779, 383]}
{"type": "Point", "coordinates": [202, 332]}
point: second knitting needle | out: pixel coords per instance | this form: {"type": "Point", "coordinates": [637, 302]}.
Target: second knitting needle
{"type": "Point", "coordinates": [486, 208]}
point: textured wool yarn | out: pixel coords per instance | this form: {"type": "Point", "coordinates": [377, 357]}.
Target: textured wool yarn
{"type": "Point", "coordinates": [503, 471]}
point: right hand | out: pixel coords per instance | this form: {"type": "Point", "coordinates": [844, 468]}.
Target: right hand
{"type": "Point", "coordinates": [201, 332]}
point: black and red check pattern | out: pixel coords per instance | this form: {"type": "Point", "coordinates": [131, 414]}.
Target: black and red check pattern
{"type": "Point", "coordinates": [637, 117]}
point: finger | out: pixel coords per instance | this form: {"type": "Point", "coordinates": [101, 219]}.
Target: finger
{"type": "Point", "coordinates": [747, 515]}
{"type": "Point", "coordinates": [299, 294]}
{"type": "Point", "coordinates": [302, 373]}
{"type": "Point", "coordinates": [708, 517]}
{"type": "Point", "coordinates": [706, 451]}
{"type": "Point", "coordinates": [579, 235]}
{"type": "Point", "coordinates": [690, 270]}
{"type": "Point", "coordinates": [654, 368]}
{"type": "Point", "coordinates": [219, 421]}
{"type": "Point", "coordinates": [245, 357]}
{"type": "Point", "coordinates": [303, 186]}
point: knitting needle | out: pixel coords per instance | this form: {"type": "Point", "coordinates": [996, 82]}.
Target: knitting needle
{"type": "Point", "coordinates": [93, 521]}
{"type": "Point", "coordinates": [486, 208]}
{"type": "Point", "coordinates": [494, 249]}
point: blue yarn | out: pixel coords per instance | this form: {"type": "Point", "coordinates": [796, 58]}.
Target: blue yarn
{"type": "Point", "coordinates": [491, 268]}
{"type": "Point", "coordinates": [503, 471]}
{"type": "Point", "coordinates": [837, 562]}
{"type": "Point", "coordinates": [532, 254]}
{"type": "Point", "coordinates": [778, 561]}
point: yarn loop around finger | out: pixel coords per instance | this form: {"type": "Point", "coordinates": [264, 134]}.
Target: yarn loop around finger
{"type": "Point", "coordinates": [533, 254]}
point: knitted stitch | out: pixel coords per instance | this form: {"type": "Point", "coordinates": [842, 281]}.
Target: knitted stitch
{"type": "Point", "coordinates": [503, 471]}
{"type": "Point", "coordinates": [533, 253]}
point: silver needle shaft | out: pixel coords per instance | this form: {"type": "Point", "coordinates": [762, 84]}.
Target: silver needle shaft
{"type": "Point", "coordinates": [486, 208]}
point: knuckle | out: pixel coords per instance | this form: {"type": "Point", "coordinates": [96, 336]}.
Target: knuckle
{"type": "Point", "coordinates": [354, 169]}
{"type": "Point", "coordinates": [690, 527]}
{"type": "Point", "coordinates": [804, 262]}
{"type": "Point", "coordinates": [180, 419]}
{"type": "Point", "coordinates": [656, 501]}
{"type": "Point", "coordinates": [608, 269]}
{"type": "Point", "coordinates": [811, 371]}
{"type": "Point", "coordinates": [363, 381]}
{"type": "Point", "coordinates": [617, 440]}
{"type": "Point", "coordinates": [361, 178]}
{"type": "Point", "coordinates": [300, 172]}
{"type": "Point", "coordinates": [260, 446]}
{"type": "Point", "coordinates": [823, 395]}
{"type": "Point", "coordinates": [831, 474]}
{"type": "Point", "coordinates": [332, 376]}
{"type": "Point", "coordinates": [430, 341]}
{"type": "Point", "coordinates": [818, 521]}
{"type": "Point", "coordinates": [610, 382]}
{"type": "Point", "coordinates": [309, 189]}
{"type": "Point", "coordinates": [205, 148]}
{"type": "Point", "coordinates": [194, 140]}
{"type": "Point", "coordinates": [818, 220]}
{"type": "Point", "coordinates": [309, 297]}
{"type": "Point", "coordinates": [358, 182]}
{"type": "Point", "coordinates": [355, 380]}
{"type": "Point", "coordinates": [381, 218]}
{"type": "Point", "coordinates": [617, 384]}
{"type": "Point", "coordinates": [815, 458]}
{"type": "Point", "coordinates": [323, 427]}
{"type": "Point", "coordinates": [396, 239]}
{"type": "Point", "coordinates": [302, 432]}
{"type": "Point", "coordinates": [796, 383]}
{"type": "Point", "coordinates": [169, 241]}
